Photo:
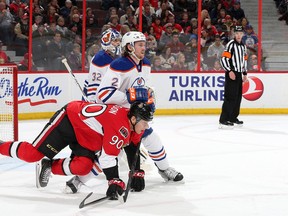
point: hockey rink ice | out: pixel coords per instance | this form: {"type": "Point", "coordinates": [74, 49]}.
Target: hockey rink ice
{"type": "Point", "coordinates": [239, 172]}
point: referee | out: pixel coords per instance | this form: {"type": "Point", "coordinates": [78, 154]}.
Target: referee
{"type": "Point", "coordinates": [234, 62]}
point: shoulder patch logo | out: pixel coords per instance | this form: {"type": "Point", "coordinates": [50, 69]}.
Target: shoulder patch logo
{"type": "Point", "coordinates": [124, 132]}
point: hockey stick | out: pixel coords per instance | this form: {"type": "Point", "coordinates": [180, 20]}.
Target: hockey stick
{"type": "Point", "coordinates": [131, 173]}
{"type": "Point", "coordinates": [83, 204]}
{"type": "Point", "coordinates": [64, 61]}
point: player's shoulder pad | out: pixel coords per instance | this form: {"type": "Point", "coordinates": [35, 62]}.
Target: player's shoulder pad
{"type": "Point", "coordinates": [102, 59]}
{"type": "Point", "coordinates": [146, 62]}
{"type": "Point", "coordinates": [122, 64]}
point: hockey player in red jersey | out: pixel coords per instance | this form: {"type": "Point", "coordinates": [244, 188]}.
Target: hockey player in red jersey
{"type": "Point", "coordinates": [86, 128]}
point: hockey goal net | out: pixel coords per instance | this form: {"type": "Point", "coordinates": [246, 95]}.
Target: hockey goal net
{"type": "Point", "coordinates": [8, 102]}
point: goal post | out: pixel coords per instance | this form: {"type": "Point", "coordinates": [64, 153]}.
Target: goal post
{"type": "Point", "coordinates": [8, 102]}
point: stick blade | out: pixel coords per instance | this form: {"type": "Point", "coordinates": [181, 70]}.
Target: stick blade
{"type": "Point", "coordinates": [82, 204]}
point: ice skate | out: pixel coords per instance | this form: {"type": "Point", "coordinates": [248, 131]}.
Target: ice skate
{"type": "Point", "coordinates": [238, 123]}
{"type": "Point", "coordinates": [226, 125]}
{"type": "Point", "coordinates": [73, 185]}
{"type": "Point", "coordinates": [170, 174]}
{"type": "Point", "coordinates": [43, 172]}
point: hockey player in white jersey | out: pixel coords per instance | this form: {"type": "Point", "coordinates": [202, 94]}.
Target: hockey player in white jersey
{"type": "Point", "coordinates": [130, 70]}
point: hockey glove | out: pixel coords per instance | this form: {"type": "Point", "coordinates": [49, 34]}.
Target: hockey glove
{"type": "Point", "coordinates": [137, 94]}
{"type": "Point", "coordinates": [138, 182]}
{"type": "Point", "coordinates": [116, 187]}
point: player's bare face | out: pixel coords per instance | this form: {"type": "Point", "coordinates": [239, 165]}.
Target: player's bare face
{"type": "Point", "coordinates": [141, 126]}
{"type": "Point", "coordinates": [140, 48]}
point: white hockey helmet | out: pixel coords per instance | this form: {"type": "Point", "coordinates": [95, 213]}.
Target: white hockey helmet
{"type": "Point", "coordinates": [107, 37]}
{"type": "Point", "coordinates": [132, 37]}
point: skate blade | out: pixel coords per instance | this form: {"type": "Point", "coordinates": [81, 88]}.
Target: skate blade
{"type": "Point", "coordinates": [225, 127]}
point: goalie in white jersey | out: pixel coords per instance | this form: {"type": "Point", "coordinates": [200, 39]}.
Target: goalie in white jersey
{"type": "Point", "coordinates": [124, 82]}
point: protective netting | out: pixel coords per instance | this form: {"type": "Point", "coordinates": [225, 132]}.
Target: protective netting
{"type": "Point", "coordinates": [7, 109]}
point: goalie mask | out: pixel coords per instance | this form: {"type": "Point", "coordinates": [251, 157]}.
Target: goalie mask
{"type": "Point", "coordinates": [141, 111]}
{"type": "Point", "coordinates": [108, 39]}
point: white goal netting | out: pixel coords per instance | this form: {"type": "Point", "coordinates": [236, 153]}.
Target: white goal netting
{"type": "Point", "coordinates": [8, 104]}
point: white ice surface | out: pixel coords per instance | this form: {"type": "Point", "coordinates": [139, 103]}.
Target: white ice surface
{"type": "Point", "coordinates": [239, 172]}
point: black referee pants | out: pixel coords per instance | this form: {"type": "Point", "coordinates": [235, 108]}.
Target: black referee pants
{"type": "Point", "coordinates": [232, 98]}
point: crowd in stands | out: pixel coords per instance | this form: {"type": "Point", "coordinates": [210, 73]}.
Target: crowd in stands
{"type": "Point", "coordinates": [171, 28]}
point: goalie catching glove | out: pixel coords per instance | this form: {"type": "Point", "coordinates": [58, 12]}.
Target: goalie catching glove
{"type": "Point", "coordinates": [138, 182]}
{"type": "Point", "coordinates": [116, 187]}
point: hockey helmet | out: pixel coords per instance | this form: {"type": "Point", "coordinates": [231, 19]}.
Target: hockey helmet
{"type": "Point", "coordinates": [141, 111]}
{"type": "Point", "coordinates": [132, 37]}
{"type": "Point", "coordinates": [107, 37]}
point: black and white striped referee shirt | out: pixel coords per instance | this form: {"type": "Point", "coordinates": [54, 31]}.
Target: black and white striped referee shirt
{"type": "Point", "coordinates": [234, 57]}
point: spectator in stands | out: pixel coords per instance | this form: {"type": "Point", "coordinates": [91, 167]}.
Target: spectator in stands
{"type": "Point", "coordinates": [90, 38]}
{"type": "Point", "coordinates": [6, 19]}
{"type": "Point", "coordinates": [156, 64]}
{"type": "Point", "coordinates": [216, 49]}
{"type": "Point", "coordinates": [54, 3]}
{"type": "Point", "coordinates": [55, 53]}
{"type": "Point", "coordinates": [167, 60]}
{"type": "Point", "coordinates": [76, 23]}
{"type": "Point", "coordinates": [66, 10]}
{"type": "Point", "coordinates": [37, 22]}
{"type": "Point", "coordinates": [151, 47]}
{"type": "Point", "coordinates": [217, 13]}
{"type": "Point", "coordinates": [133, 4]}
{"type": "Point", "coordinates": [237, 12]}
{"type": "Point", "coordinates": [110, 3]}
{"type": "Point", "coordinates": [147, 17]}
{"type": "Point", "coordinates": [175, 45]}
{"type": "Point", "coordinates": [114, 22]}
{"type": "Point", "coordinates": [175, 26]}
{"type": "Point", "coordinates": [124, 29]}
{"type": "Point", "coordinates": [228, 4]}
{"type": "Point", "coordinates": [74, 57]}
{"type": "Point", "coordinates": [124, 17]}
{"type": "Point", "coordinates": [60, 26]}
{"type": "Point", "coordinates": [50, 32]}
{"type": "Point", "coordinates": [74, 10]}
{"type": "Point", "coordinates": [38, 11]}
{"type": "Point", "coordinates": [184, 22]}
{"type": "Point", "coordinates": [158, 28]}
{"type": "Point", "coordinates": [250, 40]}
{"type": "Point", "coordinates": [52, 15]}
{"type": "Point", "coordinates": [91, 51]}
{"type": "Point", "coordinates": [112, 12]}
{"type": "Point", "coordinates": [132, 23]}
{"type": "Point", "coordinates": [15, 5]}
{"type": "Point", "coordinates": [69, 46]}
{"type": "Point", "coordinates": [211, 29]}
{"type": "Point", "coordinates": [193, 25]}
{"type": "Point", "coordinates": [39, 44]}
{"type": "Point", "coordinates": [151, 9]}
{"type": "Point", "coordinates": [91, 21]}
{"type": "Point", "coordinates": [204, 15]}
{"type": "Point", "coordinates": [244, 22]}
{"type": "Point", "coordinates": [208, 5]}
{"type": "Point", "coordinates": [162, 8]}
{"type": "Point", "coordinates": [217, 66]}
{"type": "Point", "coordinates": [3, 55]}
{"type": "Point", "coordinates": [180, 63]}
{"type": "Point", "coordinates": [22, 34]}
{"type": "Point", "coordinates": [166, 36]}
{"type": "Point", "coordinates": [24, 63]}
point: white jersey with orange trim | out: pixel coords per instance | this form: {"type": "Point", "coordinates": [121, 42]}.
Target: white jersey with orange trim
{"type": "Point", "coordinates": [98, 67]}
{"type": "Point", "coordinates": [122, 74]}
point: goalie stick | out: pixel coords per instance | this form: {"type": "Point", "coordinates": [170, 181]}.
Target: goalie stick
{"type": "Point", "coordinates": [64, 61]}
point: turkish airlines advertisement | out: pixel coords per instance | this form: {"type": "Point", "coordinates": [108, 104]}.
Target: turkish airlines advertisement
{"type": "Point", "coordinates": [47, 92]}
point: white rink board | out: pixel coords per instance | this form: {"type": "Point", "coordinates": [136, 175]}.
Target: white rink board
{"type": "Point", "coordinates": [47, 92]}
